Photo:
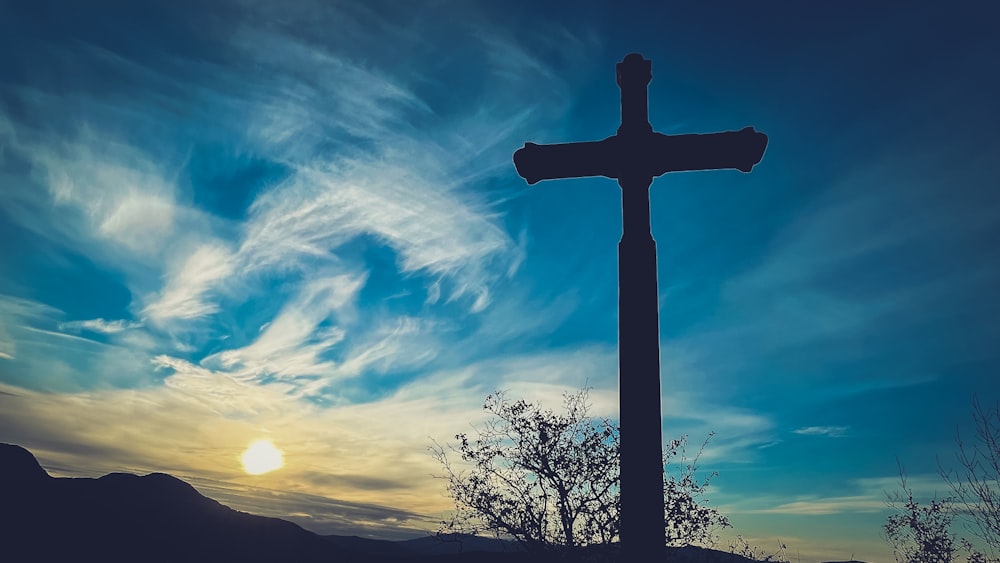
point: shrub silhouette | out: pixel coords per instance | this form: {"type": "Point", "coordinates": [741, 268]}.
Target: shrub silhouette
{"type": "Point", "coordinates": [920, 534]}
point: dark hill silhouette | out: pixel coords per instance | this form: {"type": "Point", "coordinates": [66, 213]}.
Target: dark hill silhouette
{"type": "Point", "coordinates": [158, 518]}
{"type": "Point", "coordinates": [123, 517]}
{"type": "Point", "coordinates": [17, 465]}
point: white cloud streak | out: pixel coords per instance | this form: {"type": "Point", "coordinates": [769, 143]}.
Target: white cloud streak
{"type": "Point", "coordinates": [121, 195]}
{"type": "Point", "coordinates": [421, 218]}
{"type": "Point", "coordinates": [291, 347]}
{"type": "Point", "coordinates": [831, 431]}
{"type": "Point", "coordinates": [14, 312]}
{"type": "Point", "coordinates": [831, 505]}
{"type": "Point", "coordinates": [184, 294]}
{"type": "Point", "coordinates": [100, 325]}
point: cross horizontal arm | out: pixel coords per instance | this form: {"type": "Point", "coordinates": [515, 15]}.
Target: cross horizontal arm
{"type": "Point", "coordinates": [710, 151]}
{"type": "Point", "coordinates": [565, 160]}
{"type": "Point", "coordinates": [641, 155]}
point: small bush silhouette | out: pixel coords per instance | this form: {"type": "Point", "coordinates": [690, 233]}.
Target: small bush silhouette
{"type": "Point", "coordinates": [740, 546]}
{"type": "Point", "coordinates": [920, 534]}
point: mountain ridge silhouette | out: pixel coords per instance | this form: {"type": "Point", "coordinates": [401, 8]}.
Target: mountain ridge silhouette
{"type": "Point", "coordinates": [159, 518]}
{"type": "Point", "coordinates": [126, 517]}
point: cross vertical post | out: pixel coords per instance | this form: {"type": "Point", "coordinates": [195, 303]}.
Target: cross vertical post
{"type": "Point", "coordinates": [634, 156]}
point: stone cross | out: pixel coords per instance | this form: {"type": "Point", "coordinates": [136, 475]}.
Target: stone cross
{"type": "Point", "coordinates": [634, 156]}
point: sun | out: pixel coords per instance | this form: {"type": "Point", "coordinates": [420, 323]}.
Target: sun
{"type": "Point", "coordinates": [261, 457]}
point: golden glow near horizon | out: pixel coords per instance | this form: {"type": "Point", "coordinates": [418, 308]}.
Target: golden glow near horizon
{"type": "Point", "coordinates": [261, 457]}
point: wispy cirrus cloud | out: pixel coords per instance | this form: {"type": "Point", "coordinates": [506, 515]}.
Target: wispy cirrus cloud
{"type": "Point", "coordinates": [427, 223]}
{"type": "Point", "coordinates": [308, 114]}
{"type": "Point", "coordinates": [291, 347]}
{"type": "Point", "coordinates": [15, 312]}
{"type": "Point", "coordinates": [831, 431]}
{"type": "Point", "coordinates": [831, 505]}
{"type": "Point", "coordinates": [100, 325]}
{"type": "Point", "coordinates": [189, 279]}
{"type": "Point", "coordinates": [409, 189]}
{"type": "Point", "coordinates": [115, 193]}
{"type": "Point", "coordinates": [863, 495]}
{"type": "Point", "coordinates": [46, 352]}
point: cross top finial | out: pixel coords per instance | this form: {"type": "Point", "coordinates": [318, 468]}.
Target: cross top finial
{"type": "Point", "coordinates": [633, 75]}
{"type": "Point", "coordinates": [634, 67]}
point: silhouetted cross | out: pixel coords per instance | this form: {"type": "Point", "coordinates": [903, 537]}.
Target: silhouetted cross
{"type": "Point", "coordinates": [634, 156]}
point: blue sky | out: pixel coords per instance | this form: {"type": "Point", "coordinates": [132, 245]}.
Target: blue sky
{"type": "Point", "coordinates": [228, 221]}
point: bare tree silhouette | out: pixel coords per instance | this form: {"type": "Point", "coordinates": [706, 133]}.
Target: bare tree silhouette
{"type": "Point", "coordinates": [924, 533]}
{"type": "Point", "coordinates": [551, 480]}
{"type": "Point", "coordinates": [976, 486]}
